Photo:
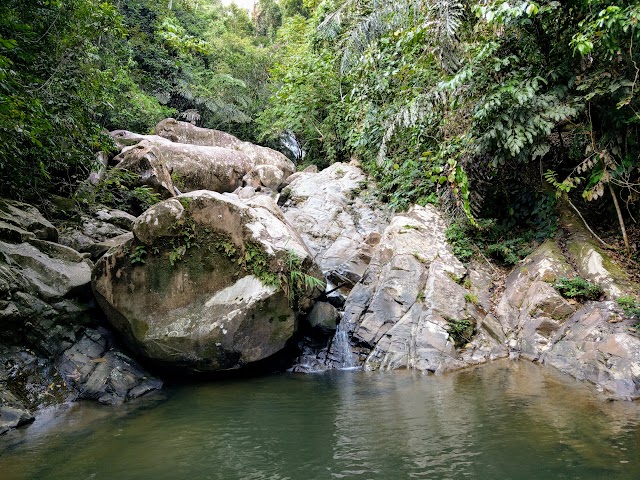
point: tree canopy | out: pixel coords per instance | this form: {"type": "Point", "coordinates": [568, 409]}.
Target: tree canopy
{"type": "Point", "coordinates": [493, 108]}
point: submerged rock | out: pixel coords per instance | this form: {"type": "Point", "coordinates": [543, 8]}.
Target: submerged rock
{"type": "Point", "coordinates": [208, 282]}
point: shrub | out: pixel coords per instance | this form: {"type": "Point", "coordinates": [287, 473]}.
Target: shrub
{"type": "Point", "coordinates": [577, 288]}
{"type": "Point", "coordinates": [461, 331]}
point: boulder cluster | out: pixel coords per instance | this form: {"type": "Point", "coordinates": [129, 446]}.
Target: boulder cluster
{"type": "Point", "coordinates": [244, 258]}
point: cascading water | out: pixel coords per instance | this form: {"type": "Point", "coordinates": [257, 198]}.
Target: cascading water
{"type": "Point", "coordinates": [341, 353]}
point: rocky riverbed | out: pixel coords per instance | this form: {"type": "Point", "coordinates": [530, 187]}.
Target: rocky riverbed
{"type": "Point", "coordinates": [245, 259]}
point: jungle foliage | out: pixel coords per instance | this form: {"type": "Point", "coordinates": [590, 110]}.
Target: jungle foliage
{"type": "Point", "coordinates": [70, 69]}
{"type": "Point", "coordinates": [494, 108]}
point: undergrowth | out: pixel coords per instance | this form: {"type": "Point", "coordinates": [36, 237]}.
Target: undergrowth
{"type": "Point", "coordinates": [461, 331]}
{"type": "Point", "coordinates": [631, 308]}
{"type": "Point", "coordinates": [577, 288]}
{"type": "Point", "coordinates": [507, 247]}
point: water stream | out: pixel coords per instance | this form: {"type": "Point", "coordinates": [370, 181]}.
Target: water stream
{"type": "Point", "coordinates": [341, 349]}
{"type": "Point", "coordinates": [502, 421]}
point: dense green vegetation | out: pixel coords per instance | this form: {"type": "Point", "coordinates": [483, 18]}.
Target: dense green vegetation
{"type": "Point", "coordinates": [494, 109]}
{"type": "Point", "coordinates": [71, 68]}
{"type": "Point", "coordinates": [577, 288]}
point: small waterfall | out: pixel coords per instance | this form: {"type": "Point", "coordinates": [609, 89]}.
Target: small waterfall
{"type": "Point", "coordinates": [341, 353]}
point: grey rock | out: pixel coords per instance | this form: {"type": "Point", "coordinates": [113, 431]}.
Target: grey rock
{"type": "Point", "coordinates": [116, 217]}
{"type": "Point", "coordinates": [591, 342]}
{"type": "Point", "coordinates": [338, 226]}
{"type": "Point", "coordinates": [207, 310]}
{"type": "Point", "coordinates": [399, 314]}
{"type": "Point", "coordinates": [323, 315]}
{"type": "Point", "coordinates": [97, 371]}
{"type": "Point", "coordinates": [13, 413]}
{"type": "Point", "coordinates": [183, 132]}
{"type": "Point", "coordinates": [91, 234]}
{"type": "Point", "coordinates": [150, 163]}
{"type": "Point", "coordinates": [593, 263]}
{"type": "Point", "coordinates": [52, 270]}
{"type": "Point", "coordinates": [27, 218]}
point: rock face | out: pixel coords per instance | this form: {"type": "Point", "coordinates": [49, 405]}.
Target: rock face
{"type": "Point", "coordinates": [45, 311]}
{"type": "Point", "coordinates": [196, 167]}
{"type": "Point", "coordinates": [95, 234]}
{"type": "Point", "coordinates": [183, 132]}
{"type": "Point", "coordinates": [153, 169]}
{"type": "Point", "coordinates": [206, 282]}
{"type": "Point", "coordinates": [416, 304]}
{"type": "Point", "coordinates": [337, 224]}
{"type": "Point", "coordinates": [592, 341]}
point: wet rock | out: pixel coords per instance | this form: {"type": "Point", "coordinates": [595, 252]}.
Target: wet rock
{"type": "Point", "coordinates": [45, 306]}
{"type": "Point", "coordinates": [592, 342]}
{"type": "Point", "coordinates": [323, 315]}
{"type": "Point", "coordinates": [12, 413]}
{"type": "Point", "coordinates": [205, 284]}
{"type": "Point", "coordinates": [98, 371]}
{"type": "Point", "coordinates": [593, 345]}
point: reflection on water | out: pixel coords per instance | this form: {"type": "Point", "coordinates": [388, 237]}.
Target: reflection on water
{"type": "Point", "coordinates": [501, 421]}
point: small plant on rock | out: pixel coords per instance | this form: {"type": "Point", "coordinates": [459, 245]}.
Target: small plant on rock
{"type": "Point", "coordinates": [461, 244]}
{"type": "Point", "coordinates": [138, 254]}
{"type": "Point", "coordinates": [461, 331]}
{"type": "Point", "coordinates": [631, 308]}
{"type": "Point", "coordinates": [578, 288]}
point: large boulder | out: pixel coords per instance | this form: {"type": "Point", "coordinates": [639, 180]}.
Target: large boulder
{"type": "Point", "coordinates": [183, 132]}
{"type": "Point", "coordinates": [437, 321]}
{"type": "Point", "coordinates": [593, 341]}
{"type": "Point", "coordinates": [201, 158]}
{"type": "Point", "coordinates": [417, 306]}
{"type": "Point", "coordinates": [153, 170]}
{"type": "Point", "coordinates": [195, 167]}
{"type": "Point", "coordinates": [208, 282]}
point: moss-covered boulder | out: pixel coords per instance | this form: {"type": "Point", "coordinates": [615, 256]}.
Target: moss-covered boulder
{"type": "Point", "coordinates": [208, 282]}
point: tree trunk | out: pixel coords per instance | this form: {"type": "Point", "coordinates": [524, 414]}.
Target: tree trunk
{"type": "Point", "coordinates": [620, 220]}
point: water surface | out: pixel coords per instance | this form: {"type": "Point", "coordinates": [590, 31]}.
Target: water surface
{"type": "Point", "coordinates": [501, 421]}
